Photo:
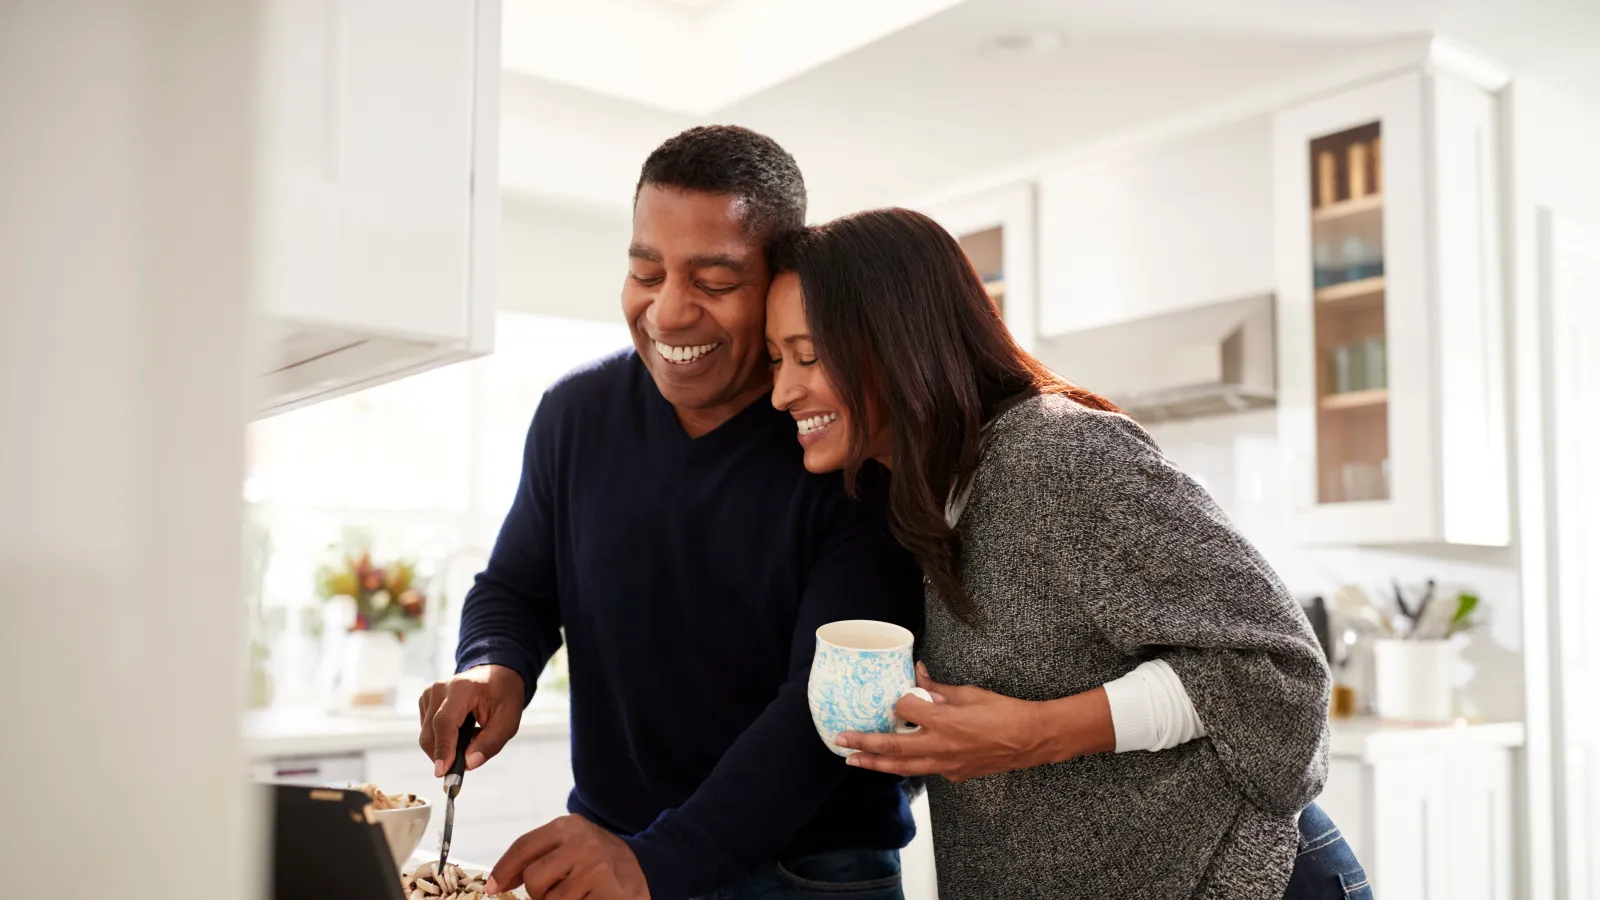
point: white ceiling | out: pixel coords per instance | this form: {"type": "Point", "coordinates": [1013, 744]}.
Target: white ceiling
{"type": "Point", "coordinates": [692, 56]}
{"type": "Point", "coordinates": [926, 106]}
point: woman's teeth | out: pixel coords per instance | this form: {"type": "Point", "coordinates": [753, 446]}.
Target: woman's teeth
{"type": "Point", "coordinates": [816, 423]}
{"type": "Point", "coordinates": [683, 354]}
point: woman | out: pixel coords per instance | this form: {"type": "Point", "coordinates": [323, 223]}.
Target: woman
{"type": "Point", "coordinates": [1084, 597]}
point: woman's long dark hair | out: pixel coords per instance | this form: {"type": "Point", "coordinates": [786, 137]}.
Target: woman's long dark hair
{"type": "Point", "coordinates": [904, 328]}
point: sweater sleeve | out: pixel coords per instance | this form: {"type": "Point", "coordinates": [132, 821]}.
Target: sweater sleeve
{"type": "Point", "coordinates": [1166, 576]}
{"type": "Point", "coordinates": [511, 616]}
{"type": "Point", "coordinates": [778, 773]}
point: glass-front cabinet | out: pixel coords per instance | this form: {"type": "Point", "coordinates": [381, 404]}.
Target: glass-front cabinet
{"type": "Point", "coordinates": [1390, 353]}
{"type": "Point", "coordinates": [1347, 254]}
{"type": "Point", "coordinates": [996, 231]}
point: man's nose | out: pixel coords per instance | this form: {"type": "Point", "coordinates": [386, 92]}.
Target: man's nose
{"type": "Point", "coordinates": [674, 308]}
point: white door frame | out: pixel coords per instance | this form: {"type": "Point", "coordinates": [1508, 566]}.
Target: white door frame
{"type": "Point", "coordinates": [1569, 294]}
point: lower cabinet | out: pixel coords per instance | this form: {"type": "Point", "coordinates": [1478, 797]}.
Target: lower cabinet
{"type": "Point", "coordinates": [519, 790]}
{"type": "Point", "coordinates": [1429, 822]}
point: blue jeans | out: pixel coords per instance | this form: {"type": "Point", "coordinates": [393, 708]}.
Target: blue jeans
{"type": "Point", "coordinates": [1325, 868]}
{"type": "Point", "coordinates": [837, 874]}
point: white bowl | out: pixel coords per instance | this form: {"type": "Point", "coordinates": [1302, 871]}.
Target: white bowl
{"type": "Point", "coordinates": [404, 829]}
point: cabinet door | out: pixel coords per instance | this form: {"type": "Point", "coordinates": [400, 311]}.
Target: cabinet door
{"type": "Point", "coordinates": [1355, 342]}
{"type": "Point", "coordinates": [1442, 827]}
{"type": "Point", "coordinates": [1177, 226]}
{"type": "Point", "coordinates": [368, 120]}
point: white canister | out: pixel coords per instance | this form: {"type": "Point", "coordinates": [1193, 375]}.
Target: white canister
{"type": "Point", "coordinates": [1414, 681]}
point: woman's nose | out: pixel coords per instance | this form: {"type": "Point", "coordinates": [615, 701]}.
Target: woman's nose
{"type": "Point", "coordinates": [786, 390]}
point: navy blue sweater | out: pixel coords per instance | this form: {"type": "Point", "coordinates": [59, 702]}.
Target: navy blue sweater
{"type": "Point", "coordinates": [689, 577]}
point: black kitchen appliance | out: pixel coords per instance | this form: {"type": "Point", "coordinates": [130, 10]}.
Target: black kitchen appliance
{"type": "Point", "coordinates": [327, 843]}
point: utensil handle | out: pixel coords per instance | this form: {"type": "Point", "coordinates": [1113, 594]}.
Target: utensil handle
{"type": "Point", "coordinates": [469, 730]}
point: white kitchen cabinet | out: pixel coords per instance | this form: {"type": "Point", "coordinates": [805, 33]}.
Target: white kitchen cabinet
{"type": "Point", "coordinates": [996, 231]}
{"type": "Point", "coordinates": [1428, 811]}
{"type": "Point", "coordinates": [379, 192]}
{"type": "Point", "coordinates": [523, 787]}
{"type": "Point", "coordinates": [1179, 225]}
{"type": "Point", "coordinates": [1391, 369]}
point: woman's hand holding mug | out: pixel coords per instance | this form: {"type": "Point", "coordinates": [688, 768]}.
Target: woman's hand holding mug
{"type": "Point", "coordinates": [968, 732]}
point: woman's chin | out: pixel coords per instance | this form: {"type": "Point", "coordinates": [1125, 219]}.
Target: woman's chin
{"type": "Point", "coordinates": [822, 460]}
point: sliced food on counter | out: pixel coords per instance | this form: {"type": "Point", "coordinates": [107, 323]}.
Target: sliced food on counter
{"type": "Point", "coordinates": [382, 801]}
{"type": "Point", "coordinates": [449, 883]}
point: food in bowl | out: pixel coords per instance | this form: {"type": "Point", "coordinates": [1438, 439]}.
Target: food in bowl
{"type": "Point", "coordinates": [382, 801]}
{"type": "Point", "coordinates": [450, 883]}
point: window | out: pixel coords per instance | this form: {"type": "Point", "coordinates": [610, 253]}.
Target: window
{"type": "Point", "coordinates": [424, 468]}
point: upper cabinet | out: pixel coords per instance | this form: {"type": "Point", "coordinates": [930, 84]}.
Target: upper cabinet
{"type": "Point", "coordinates": [1184, 224]}
{"type": "Point", "coordinates": [1391, 365]}
{"type": "Point", "coordinates": [996, 231]}
{"type": "Point", "coordinates": [379, 192]}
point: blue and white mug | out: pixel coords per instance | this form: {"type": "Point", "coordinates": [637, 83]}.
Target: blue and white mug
{"type": "Point", "coordinates": [860, 671]}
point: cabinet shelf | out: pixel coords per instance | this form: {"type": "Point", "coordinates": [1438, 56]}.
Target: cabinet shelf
{"type": "Point", "coordinates": [1352, 290]}
{"type": "Point", "coordinates": [995, 288]}
{"type": "Point", "coordinates": [1356, 399]}
{"type": "Point", "coordinates": [1346, 208]}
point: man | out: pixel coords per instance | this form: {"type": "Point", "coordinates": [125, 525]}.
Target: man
{"type": "Point", "coordinates": [665, 522]}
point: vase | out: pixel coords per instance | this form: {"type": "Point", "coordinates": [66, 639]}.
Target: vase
{"type": "Point", "coordinates": [1414, 681]}
{"type": "Point", "coordinates": [371, 664]}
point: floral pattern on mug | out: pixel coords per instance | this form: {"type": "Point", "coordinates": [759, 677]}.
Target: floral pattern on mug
{"type": "Point", "coordinates": [856, 690]}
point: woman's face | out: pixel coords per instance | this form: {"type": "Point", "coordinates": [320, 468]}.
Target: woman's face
{"type": "Point", "coordinates": [800, 384]}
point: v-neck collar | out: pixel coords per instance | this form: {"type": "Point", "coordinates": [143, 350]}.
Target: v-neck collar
{"type": "Point", "coordinates": [738, 428]}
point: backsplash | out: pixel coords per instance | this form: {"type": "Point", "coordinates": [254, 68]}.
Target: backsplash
{"type": "Point", "coordinates": [1238, 460]}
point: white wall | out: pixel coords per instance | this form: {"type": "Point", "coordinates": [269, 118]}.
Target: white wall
{"type": "Point", "coordinates": [1553, 140]}
{"type": "Point", "coordinates": [562, 260]}
{"type": "Point", "coordinates": [125, 242]}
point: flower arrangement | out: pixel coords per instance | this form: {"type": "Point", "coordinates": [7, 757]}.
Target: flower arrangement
{"type": "Point", "coordinates": [386, 597]}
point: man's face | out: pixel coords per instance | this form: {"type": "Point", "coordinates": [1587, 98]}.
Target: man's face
{"type": "Point", "coordinates": [695, 297]}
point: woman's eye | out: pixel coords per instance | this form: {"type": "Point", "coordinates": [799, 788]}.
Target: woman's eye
{"type": "Point", "coordinates": [807, 362]}
{"type": "Point", "coordinates": [775, 361]}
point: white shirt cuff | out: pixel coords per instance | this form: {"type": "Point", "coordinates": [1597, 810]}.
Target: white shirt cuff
{"type": "Point", "coordinates": [1151, 710]}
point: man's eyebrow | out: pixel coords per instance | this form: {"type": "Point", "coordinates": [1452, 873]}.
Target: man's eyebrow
{"type": "Point", "coordinates": [640, 251]}
{"type": "Point", "coordinates": [716, 261]}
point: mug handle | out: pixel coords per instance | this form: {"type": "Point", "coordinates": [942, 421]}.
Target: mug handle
{"type": "Point", "coordinates": [901, 726]}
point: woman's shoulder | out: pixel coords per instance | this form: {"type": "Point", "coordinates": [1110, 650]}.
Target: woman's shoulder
{"type": "Point", "coordinates": [1056, 430]}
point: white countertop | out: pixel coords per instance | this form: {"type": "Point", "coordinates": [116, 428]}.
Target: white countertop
{"type": "Point", "coordinates": [278, 733]}
{"type": "Point", "coordinates": [1370, 740]}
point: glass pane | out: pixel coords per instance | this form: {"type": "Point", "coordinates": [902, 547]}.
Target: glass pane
{"type": "Point", "coordinates": [1351, 340]}
{"type": "Point", "coordinates": [986, 250]}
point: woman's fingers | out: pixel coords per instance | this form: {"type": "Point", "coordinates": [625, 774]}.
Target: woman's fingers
{"type": "Point", "coordinates": [895, 765]}
{"type": "Point", "coordinates": [926, 682]}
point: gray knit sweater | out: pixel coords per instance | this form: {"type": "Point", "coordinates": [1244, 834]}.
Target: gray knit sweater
{"type": "Point", "coordinates": [1087, 552]}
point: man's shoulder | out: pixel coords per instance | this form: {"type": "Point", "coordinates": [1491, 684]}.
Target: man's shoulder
{"type": "Point", "coordinates": [595, 378]}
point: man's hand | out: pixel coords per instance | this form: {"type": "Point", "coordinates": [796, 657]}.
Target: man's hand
{"type": "Point", "coordinates": [570, 859]}
{"type": "Point", "coordinates": [493, 694]}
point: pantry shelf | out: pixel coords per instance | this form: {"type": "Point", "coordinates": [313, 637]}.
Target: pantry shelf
{"type": "Point", "coordinates": [1346, 208]}
{"type": "Point", "coordinates": [1352, 290]}
{"type": "Point", "coordinates": [1356, 399]}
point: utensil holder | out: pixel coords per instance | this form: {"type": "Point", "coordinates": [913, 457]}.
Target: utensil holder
{"type": "Point", "coordinates": [1414, 681]}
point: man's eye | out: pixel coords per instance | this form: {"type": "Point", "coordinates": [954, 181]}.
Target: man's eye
{"type": "Point", "coordinates": [719, 289]}
{"type": "Point", "coordinates": [646, 280]}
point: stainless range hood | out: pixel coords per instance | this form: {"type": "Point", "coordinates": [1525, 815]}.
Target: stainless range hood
{"type": "Point", "coordinates": [1206, 360]}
